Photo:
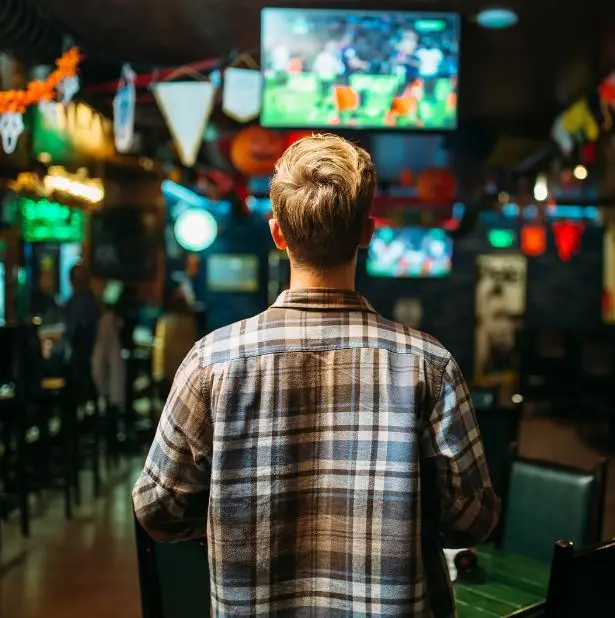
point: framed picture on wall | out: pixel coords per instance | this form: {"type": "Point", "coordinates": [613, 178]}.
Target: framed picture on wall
{"type": "Point", "coordinates": [500, 299]}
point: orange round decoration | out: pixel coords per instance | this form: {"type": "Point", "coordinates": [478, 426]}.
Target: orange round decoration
{"type": "Point", "coordinates": [254, 151]}
{"type": "Point", "coordinates": [436, 185]}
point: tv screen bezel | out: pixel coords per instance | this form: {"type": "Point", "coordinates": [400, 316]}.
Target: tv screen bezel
{"type": "Point", "coordinates": [412, 277]}
{"type": "Point", "coordinates": [343, 129]}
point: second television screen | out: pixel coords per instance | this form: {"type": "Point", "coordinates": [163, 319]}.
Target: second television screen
{"type": "Point", "coordinates": [360, 69]}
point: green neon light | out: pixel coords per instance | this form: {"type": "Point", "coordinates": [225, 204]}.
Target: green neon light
{"type": "Point", "coordinates": [501, 239]}
{"type": "Point", "coordinates": [45, 221]}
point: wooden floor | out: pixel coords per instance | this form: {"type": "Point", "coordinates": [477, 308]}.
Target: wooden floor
{"type": "Point", "coordinates": [87, 568]}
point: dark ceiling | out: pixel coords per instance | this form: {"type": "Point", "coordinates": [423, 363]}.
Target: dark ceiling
{"type": "Point", "coordinates": [514, 79]}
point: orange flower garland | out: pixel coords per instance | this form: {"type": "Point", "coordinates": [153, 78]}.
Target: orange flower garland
{"type": "Point", "coordinates": [18, 100]}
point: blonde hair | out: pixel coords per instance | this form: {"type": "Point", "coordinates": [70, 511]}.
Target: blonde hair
{"type": "Point", "coordinates": [321, 194]}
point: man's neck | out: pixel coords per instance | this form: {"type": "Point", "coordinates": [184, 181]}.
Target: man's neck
{"type": "Point", "coordinates": [342, 278]}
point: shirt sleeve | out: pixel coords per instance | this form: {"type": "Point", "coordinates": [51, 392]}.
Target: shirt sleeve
{"type": "Point", "coordinates": [467, 509]}
{"type": "Point", "coordinates": [171, 496]}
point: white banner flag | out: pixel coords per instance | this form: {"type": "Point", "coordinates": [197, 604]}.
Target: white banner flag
{"type": "Point", "coordinates": [241, 99]}
{"type": "Point", "coordinates": [186, 107]}
{"type": "Point", "coordinates": [499, 308]}
{"type": "Point", "coordinates": [124, 110]}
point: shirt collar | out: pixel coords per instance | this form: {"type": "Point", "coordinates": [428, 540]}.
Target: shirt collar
{"type": "Point", "coordinates": [317, 299]}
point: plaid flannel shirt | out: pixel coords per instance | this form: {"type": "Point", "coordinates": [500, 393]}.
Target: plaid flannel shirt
{"type": "Point", "coordinates": [328, 455]}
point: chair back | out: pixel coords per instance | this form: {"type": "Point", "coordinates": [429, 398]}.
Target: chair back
{"type": "Point", "coordinates": [581, 582]}
{"type": "Point", "coordinates": [173, 577]}
{"type": "Point", "coordinates": [546, 502]}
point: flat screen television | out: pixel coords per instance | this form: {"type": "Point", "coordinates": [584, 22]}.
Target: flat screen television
{"type": "Point", "coordinates": [410, 252]}
{"type": "Point", "coordinates": [337, 68]}
{"type": "Point", "coordinates": [232, 273]}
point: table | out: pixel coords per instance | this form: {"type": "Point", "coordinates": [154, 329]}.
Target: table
{"type": "Point", "coordinates": [513, 583]}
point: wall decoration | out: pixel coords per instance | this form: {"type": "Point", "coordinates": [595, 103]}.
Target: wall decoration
{"type": "Point", "coordinates": [533, 240]}
{"type": "Point", "coordinates": [499, 307]}
{"type": "Point", "coordinates": [242, 95]}
{"type": "Point", "coordinates": [124, 110]}
{"type": "Point", "coordinates": [408, 311]}
{"type": "Point", "coordinates": [568, 235]}
{"type": "Point", "coordinates": [436, 185]}
{"type": "Point", "coordinates": [61, 84]}
{"type": "Point", "coordinates": [11, 127]}
{"type": "Point", "coordinates": [254, 151]}
{"type": "Point", "coordinates": [186, 107]}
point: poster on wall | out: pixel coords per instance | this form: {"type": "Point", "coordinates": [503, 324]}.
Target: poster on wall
{"type": "Point", "coordinates": [499, 308]}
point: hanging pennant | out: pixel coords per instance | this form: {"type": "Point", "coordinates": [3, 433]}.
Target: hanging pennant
{"type": "Point", "coordinates": [124, 110]}
{"type": "Point", "coordinates": [241, 99]}
{"type": "Point", "coordinates": [568, 236]}
{"type": "Point", "coordinates": [186, 107]}
{"type": "Point", "coordinates": [11, 127]}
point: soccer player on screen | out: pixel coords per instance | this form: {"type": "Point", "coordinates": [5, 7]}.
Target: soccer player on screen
{"type": "Point", "coordinates": [430, 58]}
{"type": "Point", "coordinates": [328, 67]}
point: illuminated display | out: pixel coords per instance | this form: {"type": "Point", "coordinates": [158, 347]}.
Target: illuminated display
{"type": "Point", "coordinates": [533, 240]}
{"type": "Point", "coordinates": [501, 239]}
{"type": "Point", "coordinates": [45, 221]}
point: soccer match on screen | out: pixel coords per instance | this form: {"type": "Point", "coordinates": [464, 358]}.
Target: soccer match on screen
{"type": "Point", "coordinates": [331, 68]}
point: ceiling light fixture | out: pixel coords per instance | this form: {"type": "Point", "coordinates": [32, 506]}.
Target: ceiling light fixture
{"type": "Point", "coordinates": [497, 18]}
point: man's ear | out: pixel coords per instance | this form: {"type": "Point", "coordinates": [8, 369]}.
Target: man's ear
{"type": "Point", "coordinates": [367, 233]}
{"type": "Point", "coordinates": [276, 234]}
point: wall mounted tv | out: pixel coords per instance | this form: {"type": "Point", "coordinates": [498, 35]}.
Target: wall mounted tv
{"type": "Point", "coordinates": [123, 243]}
{"type": "Point", "coordinates": [410, 252]}
{"type": "Point", "coordinates": [327, 68]}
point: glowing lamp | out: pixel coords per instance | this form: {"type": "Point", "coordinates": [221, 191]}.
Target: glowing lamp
{"type": "Point", "coordinates": [501, 239]}
{"type": "Point", "coordinates": [497, 18]}
{"type": "Point", "coordinates": [195, 230]}
{"type": "Point", "coordinates": [533, 240]}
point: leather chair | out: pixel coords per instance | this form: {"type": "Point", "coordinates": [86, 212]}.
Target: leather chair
{"type": "Point", "coordinates": [581, 582]}
{"type": "Point", "coordinates": [173, 577]}
{"type": "Point", "coordinates": [548, 501]}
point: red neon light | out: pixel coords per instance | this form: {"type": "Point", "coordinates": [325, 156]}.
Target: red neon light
{"type": "Point", "coordinates": [568, 236]}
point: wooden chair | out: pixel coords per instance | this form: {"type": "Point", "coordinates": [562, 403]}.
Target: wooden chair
{"type": "Point", "coordinates": [581, 582]}
{"type": "Point", "coordinates": [547, 501]}
{"type": "Point", "coordinates": [173, 577]}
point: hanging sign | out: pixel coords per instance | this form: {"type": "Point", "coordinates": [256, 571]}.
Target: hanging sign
{"type": "Point", "coordinates": [124, 110]}
{"type": "Point", "coordinates": [568, 236]}
{"type": "Point", "coordinates": [533, 240]}
{"type": "Point", "coordinates": [241, 99]}
{"type": "Point", "coordinates": [499, 306]}
{"type": "Point", "coordinates": [186, 107]}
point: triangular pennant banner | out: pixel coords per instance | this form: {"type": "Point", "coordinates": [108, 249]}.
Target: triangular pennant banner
{"type": "Point", "coordinates": [241, 99]}
{"type": "Point", "coordinates": [186, 107]}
